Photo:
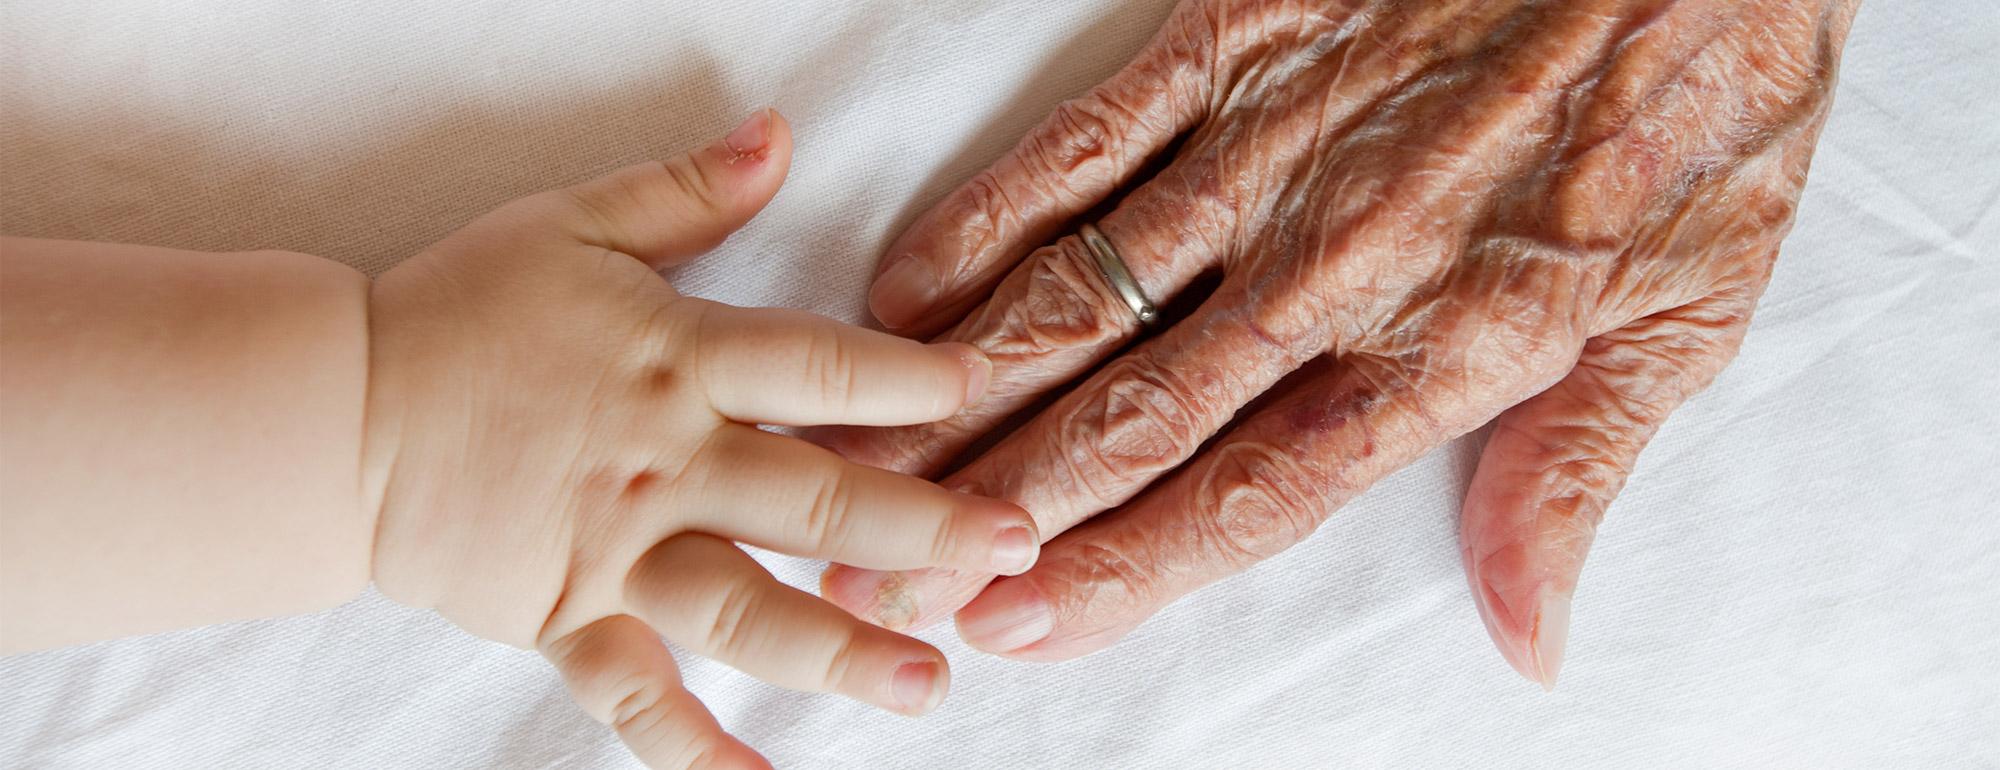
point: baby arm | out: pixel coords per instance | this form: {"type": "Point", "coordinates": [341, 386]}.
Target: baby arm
{"type": "Point", "coordinates": [180, 438]}
{"type": "Point", "coordinates": [553, 448]}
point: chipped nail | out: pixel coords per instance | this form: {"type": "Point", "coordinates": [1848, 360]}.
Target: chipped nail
{"type": "Point", "coordinates": [1011, 614]}
{"type": "Point", "coordinates": [903, 293]}
{"type": "Point", "coordinates": [1014, 551]}
{"type": "Point", "coordinates": [915, 686]}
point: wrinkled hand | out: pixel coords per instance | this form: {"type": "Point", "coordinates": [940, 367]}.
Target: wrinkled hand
{"type": "Point", "coordinates": [1424, 216]}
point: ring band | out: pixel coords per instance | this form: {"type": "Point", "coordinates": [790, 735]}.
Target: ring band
{"type": "Point", "coordinates": [1113, 269]}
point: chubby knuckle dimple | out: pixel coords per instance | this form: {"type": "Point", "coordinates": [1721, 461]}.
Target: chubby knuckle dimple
{"type": "Point", "coordinates": [830, 366]}
{"type": "Point", "coordinates": [842, 660]}
{"type": "Point", "coordinates": [669, 332]}
{"type": "Point", "coordinates": [654, 731]}
{"type": "Point", "coordinates": [630, 697]}
{"type": "Point", "coordinates": [825, 520]}
{"type": "Point", "coordinates": [608, 687]}
{"type": "Point", "coordinates": [1060, 307]}
{"type": "Point", "coordinates": [952, 540]}
{"type": "Point", "coordinates": [1261, 501]}
{"type": "Point", "coordinates": [730, 621]}
{"type": "Point", "coordinates": [708, 751]}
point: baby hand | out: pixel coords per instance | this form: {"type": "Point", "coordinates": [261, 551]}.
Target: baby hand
{"type": "Point", "coordinates": [564, 448]}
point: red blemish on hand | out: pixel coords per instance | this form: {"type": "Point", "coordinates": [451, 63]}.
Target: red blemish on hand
{"type": "Point", "coordinates": [1332, 415]}
{"type": "Point", "coordinates": [1264, 336]}
{"type": "Point", "coordinates": [738, 156]}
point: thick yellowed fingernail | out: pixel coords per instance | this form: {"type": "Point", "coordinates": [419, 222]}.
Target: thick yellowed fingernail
{"type": "Point", "coordinates": [917, 687]}
{"type": "Point", "coordinates": [904, 292]}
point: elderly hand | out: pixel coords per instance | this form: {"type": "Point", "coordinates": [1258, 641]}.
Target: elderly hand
{"type": "Point", "coordinates": [1423, 216]}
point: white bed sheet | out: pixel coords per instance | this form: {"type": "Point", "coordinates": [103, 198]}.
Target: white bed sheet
{"type": "Point", "coordinates": [1805, 571]}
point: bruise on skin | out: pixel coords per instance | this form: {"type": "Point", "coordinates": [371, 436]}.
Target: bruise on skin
{"type": "Point", "coordinates": [1332, 414]}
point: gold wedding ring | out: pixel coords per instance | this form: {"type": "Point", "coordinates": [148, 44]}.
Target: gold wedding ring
{"type": "Point", "coordinates": [1113, 269]}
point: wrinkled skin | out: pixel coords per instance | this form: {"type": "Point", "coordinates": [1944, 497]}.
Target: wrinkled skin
{"type": "Point", "coordinates": [1424, 216]}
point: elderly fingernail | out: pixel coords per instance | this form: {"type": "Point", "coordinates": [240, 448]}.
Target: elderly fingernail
{"type": "Point", "coordinates": [1014, 551]}
{"type": "Point", "coordinates": [918, 687]}
{"type": "Point", "coordinates": [1550, 636]}
{"type": "Point", "coordinates": [882, 598]}
{"type": "Point", "coordinates": [1011, 614]}
{"type": "Point", "coordinates": [903, 293]}
{"type": "Point", "coordinates": [750, 138]}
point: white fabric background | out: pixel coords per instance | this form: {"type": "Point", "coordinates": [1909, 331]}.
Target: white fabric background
{"type": "Point", "coordinates": [1804, 573]}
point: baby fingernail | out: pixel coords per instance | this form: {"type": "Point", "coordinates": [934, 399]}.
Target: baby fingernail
{"type": "Point", "coordinates": [750, 138]}
{"type": "Point", "coordinates": [903, 293]}
{"type": "Point", "coordinates": [1011, 614]}
{"type": "Point", "coordinates": [915, 686]}
{"type": "Point", "coordinates": [1013, 551]}
{"type": "Point", "coordinates": [979, 373]}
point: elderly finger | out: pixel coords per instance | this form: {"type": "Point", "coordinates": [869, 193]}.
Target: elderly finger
{"type": "Point", "coordinates": [1053, 317]}
{"type": "Point", "coordinates": [1057, 315]}
{"type": "Point", "coordinates": [1089, 146]}
{"type": "Point", "coordinates": [1135, 419]}
{"type": "Point", "coordinates": [709, 596]}
{"type": "Point", "coordinates": [620, 673]}
{"type": "Point", "coordinates": [784, 367]}
{"type": "Point", "coordinates": [1555, 462]}
{"type": "Point", "coordinates": [666, 212]}
{"type": "Point", "coordinates": [1259, 490]}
